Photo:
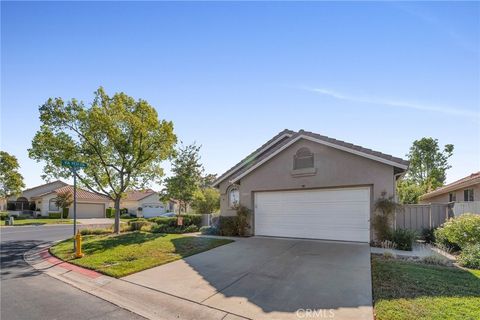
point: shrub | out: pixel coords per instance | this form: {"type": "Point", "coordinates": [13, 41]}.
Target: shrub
{"type": "Point", "coordinates": [209, 230]}
{"type": "Point", "coordinates": [3, 216]}
{"type": "Point", "coordinates": [403, 238]}
{"type": "Point", "coordinates": [460, 231]}
{"type": "Point", "coordinates": [123, 211]}
{"type": "Point", "coordinates": [65, 213]}
{"type": "Point", "coordinates": [92, 231]}
{"type": "Point", "coordinates": [21, 217]}
{"type": "Point", "coordinates": [190, 228]}
{"type": "Point", "coordinates": [192, 219]}
{"type": "Point", "coordinates": [125, 216]}
{"type": "Point", "coordinates": [470, 256]}
{"type": "Point", "coordinates": [136, 225]}
{"type": "Point", "coordinates": [147, 228]}
{"type": "Point", "coordinates": [110, 212]}
{"type": "Point", "coordinates": [54, 215]}
{"type": "Point", "coordinates": [428, 234]}
{"type": "Point", "coordinates": [384, 207]}
{"type": "Point", "coordinates": [436, 259]}
{"type": "Point", "coordinates": [228, 226]}
{"type": "Point", "coordinates": [165, 221]}
{"type": "Point", "coordinates": [243, 215]}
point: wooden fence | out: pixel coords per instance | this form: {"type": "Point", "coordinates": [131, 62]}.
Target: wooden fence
{"type": "Point", "coordinates": [422, 216]}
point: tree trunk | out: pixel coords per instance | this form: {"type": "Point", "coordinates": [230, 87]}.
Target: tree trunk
{"type": "Point", "coordinates": [117, 216]}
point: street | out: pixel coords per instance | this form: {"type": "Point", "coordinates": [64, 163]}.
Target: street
{"type": "Point", "coordinates": [29, 294]}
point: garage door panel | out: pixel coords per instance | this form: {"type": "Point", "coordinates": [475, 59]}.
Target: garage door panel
{"type": "Point", "coordinates": [337, 214]}
{"type": "Point", "coordinates": [90, 210]}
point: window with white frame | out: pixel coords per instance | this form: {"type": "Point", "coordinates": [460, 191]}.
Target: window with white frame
{"type": "Point", "coordinates": [303, 159]}
{"type": "Point", "coordinates": [233, 197]}
{"type": "Point", "coordinates": [52, 206]}
{"type": "Point", "coordinates": [468, 195]}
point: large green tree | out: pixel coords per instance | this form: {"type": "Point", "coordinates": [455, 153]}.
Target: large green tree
{"type": "Point", "coordinates": [121, 139]}
{"type": "Point", "coordinates": [187, 176]}
{"type": "Point", "coordinates": [427, 170]}
{"type": "Point", "coordinates": [11, 181]}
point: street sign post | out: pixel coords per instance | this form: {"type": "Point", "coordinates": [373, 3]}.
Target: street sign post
{"type": "Point", "coordinates": [74, 166]}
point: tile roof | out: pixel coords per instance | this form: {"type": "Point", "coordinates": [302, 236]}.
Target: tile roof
{"type": "Point", "coordinates": [135, 195]}
{"type": "Point", "coordinates": [467, 181]}
{"type": "Point", "coordinates": [81, 193]}
{"type": "Point", "coordinates": [256, 157]}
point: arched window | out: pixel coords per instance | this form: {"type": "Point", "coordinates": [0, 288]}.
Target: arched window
{"type": "Point", "coordinates": [233, 197]}
{"type": "Point", "coordinates": [303, 159]}
{"type": "Point", "coordinates": [52, 206]}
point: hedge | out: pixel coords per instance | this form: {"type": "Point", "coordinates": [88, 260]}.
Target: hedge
{"type": "Point", "coordinates": [54, 215]}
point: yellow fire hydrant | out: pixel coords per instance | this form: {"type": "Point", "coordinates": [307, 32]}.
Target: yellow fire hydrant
{"type": "Point", "coordinates": [78, 245]}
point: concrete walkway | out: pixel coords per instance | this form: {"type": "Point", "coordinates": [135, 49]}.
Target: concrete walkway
{"type": "Point", "coordinates": [267, 278]}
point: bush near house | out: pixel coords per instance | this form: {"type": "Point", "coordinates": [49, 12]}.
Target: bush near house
{"type": "Point", "coordinates": [3, 216]}
{"type": "Point", "coordinates": [54, 215]}
{"type": "Point", "coordinates": [403, 238]}
{"type": "Point", "coordinates": [209, 230]}
{"type": "Point", "coordinates": [110, 212]}
{"type": "Point", "coordinates": [460, 231]}
{"type": "Point", "coordinates": [234, 225]}
{"type": "Point", "coordinates": [470, 256]}
{"type": "Point", "coordinates": [191, 223]}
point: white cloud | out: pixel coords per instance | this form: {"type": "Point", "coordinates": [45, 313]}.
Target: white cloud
{"type": "Point", "coordinates": [396, 103]}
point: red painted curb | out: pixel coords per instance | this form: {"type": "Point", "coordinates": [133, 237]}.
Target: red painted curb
{"type": "Point", "coordinates": [45, 254]}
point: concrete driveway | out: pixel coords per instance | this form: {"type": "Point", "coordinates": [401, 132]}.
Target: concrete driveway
{"type": "Point", "coordinates": [269, 278]}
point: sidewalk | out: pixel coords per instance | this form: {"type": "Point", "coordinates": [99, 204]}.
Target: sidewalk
{"type": "Point", "coordinates": [149, 303]}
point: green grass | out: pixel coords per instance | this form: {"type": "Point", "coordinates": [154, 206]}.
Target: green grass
{"type": "Point", "coordinates": [118, 256]}
{"type": "Point", "coordinates": [37, 222]}
{"type": "Point", "coordinates": [406, 290]}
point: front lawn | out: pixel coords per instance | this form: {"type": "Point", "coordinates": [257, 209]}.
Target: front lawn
{"type": "Point", "coordinates": [118, 256]}
{"type": "Point", "coordinates": [38, 222]}
{"type": "Point", "coordinates": [407, 290]}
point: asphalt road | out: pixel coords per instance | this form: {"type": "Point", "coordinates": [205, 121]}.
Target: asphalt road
{"type": "Point", "coordinates": [29, 294]}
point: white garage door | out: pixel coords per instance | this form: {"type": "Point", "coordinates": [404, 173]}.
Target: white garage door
{"type": "Point", "coordinates": [335, 214]}
{"type": "Point", "coordinates": [153, 210]}
{"type": "Point", "coordinates": [90, 210]}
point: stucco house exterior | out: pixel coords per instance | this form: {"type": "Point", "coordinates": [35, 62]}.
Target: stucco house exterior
{"type": "Point", "coordinates": [148, 200]}
{"type": "Point", "coordinates": [466, 189]}
{"type": "Point", "coordinates": [41, 199]}
{"type": "Point", "coordinates": [305, 185]}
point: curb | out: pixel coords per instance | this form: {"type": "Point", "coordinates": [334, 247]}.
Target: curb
{"type": "Point", "coordinates": [146, 302]}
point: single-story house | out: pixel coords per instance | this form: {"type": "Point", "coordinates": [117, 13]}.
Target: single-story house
{"type": "Point", "coordinates": [305, 185]}
{"type": "Point", "coordinates": [466, 189]}
{"type": "Point", "coordinates": [41, 199]}
{"type": "Point", "coordinates": [148, 200]}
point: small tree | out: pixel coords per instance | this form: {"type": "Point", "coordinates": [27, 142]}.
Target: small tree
{"type": "Point", "coordinates": [121, 139]}
{"type": "Point", "coordinates": [11, 181]}
{"type": "Point", "coordinates": [409, 192]}
{"type": "Point", "coordinates": [64, 200]}
{"type": "Point", "coordinates": [384, 210]}
{"type": "Point", "coordinates": [206, 200]}
{"type": "Point", "coordinates": [187, 173]}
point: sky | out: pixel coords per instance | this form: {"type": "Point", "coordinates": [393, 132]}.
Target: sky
{"type": "Point", "coordinates": [231, 75]}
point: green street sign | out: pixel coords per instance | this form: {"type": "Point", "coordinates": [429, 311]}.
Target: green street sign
{"type": "Point", "coordinates": [73, 164]}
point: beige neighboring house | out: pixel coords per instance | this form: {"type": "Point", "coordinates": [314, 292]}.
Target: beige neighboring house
{"type": "Point", "coordinates": [464, 190]}
{"type": "Point", "coordinates": [149, 201]}
{"type": "Point", "coordinates": [305, 185]}
{"type": "Point", "coordinates": [41, 199]}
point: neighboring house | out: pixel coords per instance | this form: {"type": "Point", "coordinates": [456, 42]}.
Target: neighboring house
{"type": "Point", "coordinates": [149, 201]}
{"type": "Point", "coordinates": [42, 200]}
{"type": "Point", "coordinates": [462, 195]}
{"type": "Point", "coordinates": [463, 190]}
{"type": "Point", "coordinates": [305, 185]}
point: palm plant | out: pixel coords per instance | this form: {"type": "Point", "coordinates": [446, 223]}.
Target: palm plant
{"type": "Point", "coordinates": [64, 200]}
